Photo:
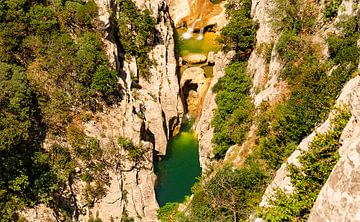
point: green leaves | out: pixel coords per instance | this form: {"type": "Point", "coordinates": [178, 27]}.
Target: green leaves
{"type": "Point", "coordinates": [317, 164]}
{"type": "Point", "coordinates": [331, 8]}
{"type": "Point", "coordinates": [240, 32]}
{"type": "Point", "coordinates": [233, 116]}
{"type": "Point", "coordinates": [104, 80]}
{"type": "Point", "coordinates": [136, 153]}
{"type": "Point", "coordinates": [229, 195]}
{"type": "Point", "coordinates": [136, 32]}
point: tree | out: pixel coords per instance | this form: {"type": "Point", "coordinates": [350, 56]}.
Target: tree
{"type": "Point", "coordinates": [104, 80]}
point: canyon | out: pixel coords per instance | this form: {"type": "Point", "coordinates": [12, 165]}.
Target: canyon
{"type": "Point", "coordinates": [188, 62]}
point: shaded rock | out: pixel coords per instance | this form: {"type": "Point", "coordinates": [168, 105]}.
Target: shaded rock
{"type": "Point", "coordinates": [211, 58]}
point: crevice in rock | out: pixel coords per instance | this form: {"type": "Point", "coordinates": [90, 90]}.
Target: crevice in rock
{"type": "Point", "coordinates": [147, 135]}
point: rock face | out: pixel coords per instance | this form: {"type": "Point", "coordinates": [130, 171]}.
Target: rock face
{"type": "Point", "coordinates": [339, 198]}
{"type": "Point", "coordinates": [147, 116]}
{"type": "Point", "coordinates": [264, 73]}
{"type": "Point", "coordinates": [349, 96]}
{"type": "Point", "coordinates": [204, 130]}
{"type": "Point", "coordinates": [197, 13]}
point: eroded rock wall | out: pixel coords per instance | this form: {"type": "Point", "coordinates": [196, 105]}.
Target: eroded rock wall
{"type": "Point", "coordinates": [146, 116]}
{"type": "Point", "coordinates": [204, 129]}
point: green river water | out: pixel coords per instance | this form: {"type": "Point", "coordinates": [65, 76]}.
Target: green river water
{"type": "Point", "coordinates": [178, 170]}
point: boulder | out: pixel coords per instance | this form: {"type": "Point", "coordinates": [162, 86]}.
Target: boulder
{"type": "Point", "coordinates": [195, 74]}
{"type": "Point", "coordinates": [195, 58]}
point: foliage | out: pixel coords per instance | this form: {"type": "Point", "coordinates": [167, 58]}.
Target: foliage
{"type": "Point", "coordinates": [26, 177]}
{"type": "Point", "coordinates": [331, 8]}
{"type": "Point", "coordinates": [234, 113]}
{"type": "Point", "coordinates": [313, 90]}
{"type": "Point", "coordinates": [226, 196]}
{"type": "Point", "coordinates": [136, 153]}
{"type": "Point", "coordinates": [87, 149]}
{"type": "Point", "coordinates": [136, 32]}
{"type": "Point", "coordinates": [240, 32]}
{"type": "Point", "coordinates": [343, 48]}
{"type": "Point", "coordinates": [168, 213]}
{"type": "Point", "coordinates": [308, 180]}
{"type": "Point", "coordinates": [104, 80]}
{"type": "Point", "coordinates": [313, 87]}
{"type": "Point", "coordinates": [52, 65]}
{"type": "Point", "coordinates": [293, 16]}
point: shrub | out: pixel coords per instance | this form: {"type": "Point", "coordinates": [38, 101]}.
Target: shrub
{"type": "Point", "coordinates": [135, 152]}
{"type": "Point", "coordinates": [233, 116]}
{"type": "Point", "coordinates": [317, 164]}
{"type": "Point", "coordinates": [226, 196]}
{"type": "Point", "coordinates": [332, 8]}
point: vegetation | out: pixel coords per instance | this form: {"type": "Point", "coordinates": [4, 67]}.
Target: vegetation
{"type": "Point", "coordinates": [240, 32]}
{"type": "Point", "coordinates": [26, 176]}
{"type": "Point", "coordinates": [332, 8]}
{"type": "Point", "coordinates": [308, 179]}
{"type": "Point", "coordinates": [312, 88]}
{"type": "Point", "coordinates": [233, 117]}
{"type": "Point", "coordinates": [136, 33]}
{"type": "Point", "coordinates": [168, 213]}
{"type": "Point", "coordinates": [224, 197]}
{"type": "Point", "coordinates": [313, 91]}
{"type": "Point", "coordinates": [136, 153]}
{"type": "Point", "coordinates": [51, 61]}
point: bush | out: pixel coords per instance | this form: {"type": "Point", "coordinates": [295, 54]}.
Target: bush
{"type": "Point", "coordinates": [226, 196]}
{"type": "Point", "coordinates": [168, 213]}
{"type": "Point", "coordinates": [104, 80]}
{"type": "Point", "coordinates": [136, 33]}
{"type": "Point", "coordinates": [240, 32]}
{"type": "Point", "coordinates": [233, 116]}
{"type": "Point", "coordinates": [332, 8]}
{"type": "Point", "coordinates": [308, 180]}
{"type": "Point", "coordinates": [136, 153]}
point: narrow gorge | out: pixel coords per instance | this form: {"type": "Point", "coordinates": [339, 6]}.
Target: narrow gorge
{"type": "Point", "coordinates": [179, 110]}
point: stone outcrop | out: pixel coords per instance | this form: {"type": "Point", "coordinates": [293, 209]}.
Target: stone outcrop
{"type": "Point", "coordinates": [194, 58]}
{"type": "Point", "coordinates": [204, 130]}
{"type": "Point", "coordinates": [195, 75]}
{"type": "Point", "coordinates": [148, 114]}
{"type": "Point", "coordinates": [194, 86]}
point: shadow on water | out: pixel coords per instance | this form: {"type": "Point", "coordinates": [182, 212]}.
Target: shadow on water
{"type": "Point", "coordinates": [178, 170]}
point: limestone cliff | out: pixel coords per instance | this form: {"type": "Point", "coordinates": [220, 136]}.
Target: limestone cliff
{"type": "Point", "coordinates": [146, 116]}
{"type": "Point", "coordinates": [149, 114]}
{"type": "Point", "coordinates": [338, 199]}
